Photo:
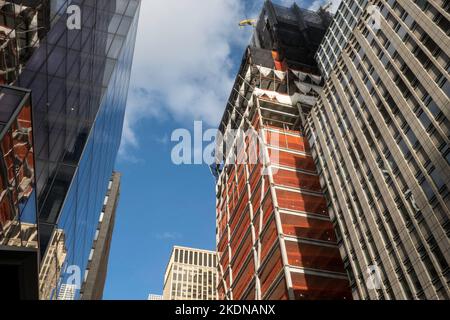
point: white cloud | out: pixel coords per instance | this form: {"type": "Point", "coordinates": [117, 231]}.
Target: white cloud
{"type": "Point", "coordinates": [182, 67]}
{"type": "Point", "coordinates": [168, 236]}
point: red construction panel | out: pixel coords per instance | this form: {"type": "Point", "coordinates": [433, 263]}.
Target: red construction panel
{"type": "Point", "coordinates": [314, 256]}
{"type": "Point", "coordinates": [233, 199]}
{"type": "Point", "coordinates": [301, 202]}
{"type": "Point", "coordinates": [270, 271]}
{"type": "Point", "coordinates": [292, 160]}
{"type": "Point", "coordinates": [255, 121]}
{"type": "Point", "coordinates": [255, 177]}
{"type": "Point", "coordinates": [236, 215]}
{"type": "Point", "coordinates": [221, 291]}
{"type": "Point", "coordinates": [304, 227]}
{"type": "Point", "coordinates": [257, 214]}
{"type": "Point", "coordinates": [256, 198]}
{"type": "Point", "coordinates": [227, 277]}
{"type": "Point", "coordinates": [286, 141]}
{"type": "Point", "coordinates": [240, 254]}
{"type": "Point", "coordinates": [255, 159]}
{"type": "Point", "coordinates": [267, 207]}
{"type": "Point", "coordinates": [280, 292]}
{"type": "Point", "coordinates": [223, 243]}
{"type": "Point", "coordinates": [222, 225]}
{"type": "Point", "coordinates": [297, 180]}
{"type": "Point", "coordinates": [242, 185]}
{"type": "Point", "coordinates": [244, 279]}
{"type": "Point", "coordinates": [312, 287]}
{"type": "Point", "coordinates": [250, 293]}
{"type": "Point", "coordinates": [225, 259]}
{"type": "Point", "coordinates": [268, 238]}
{"type": "Point", "coordinates": [243, 227]}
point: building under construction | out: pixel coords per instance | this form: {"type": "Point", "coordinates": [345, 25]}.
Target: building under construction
{"type": "Point", "coordinates": [274, 235]}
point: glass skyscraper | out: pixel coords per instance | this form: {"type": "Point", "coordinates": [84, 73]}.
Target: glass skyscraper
{"type": "Point", "coordinates": [77, 81]}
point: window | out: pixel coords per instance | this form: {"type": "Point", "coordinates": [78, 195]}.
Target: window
{"type": "Point", "coordinates": [437, 179]}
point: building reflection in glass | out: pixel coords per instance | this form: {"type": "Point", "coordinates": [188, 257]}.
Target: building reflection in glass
{"type": "Point", "coordinates": [18, 227]}
{"type": "Point", "coordinates": [78, 82]}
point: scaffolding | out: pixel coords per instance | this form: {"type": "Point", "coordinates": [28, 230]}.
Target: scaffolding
{"type": "Point", "coordinates": [274, 236]}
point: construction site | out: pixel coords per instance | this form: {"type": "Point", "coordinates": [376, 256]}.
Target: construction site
{"type": "Point", "coordinates": [275, 240]}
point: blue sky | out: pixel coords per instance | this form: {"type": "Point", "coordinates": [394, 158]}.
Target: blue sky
{"type": "Point", "coordinates": [187, 55]}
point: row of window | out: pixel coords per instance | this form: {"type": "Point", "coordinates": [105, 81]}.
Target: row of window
{"type": "Point", "coordinates": [195, 258]}
{"type": "Point", "coordinates": [193, 284]}
{"type": "Point", "coordinates": [343, 174]}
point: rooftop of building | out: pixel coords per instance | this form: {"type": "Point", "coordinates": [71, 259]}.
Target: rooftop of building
{"type": "Point", "coordinates": [284, 38]}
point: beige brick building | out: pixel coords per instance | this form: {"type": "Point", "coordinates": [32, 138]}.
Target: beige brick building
{"type": "Point", "coordinates": [191, 275]}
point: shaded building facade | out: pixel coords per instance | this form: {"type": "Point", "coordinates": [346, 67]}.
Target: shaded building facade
{"type": "Point", "coordinates": [78, 83]}
{"type": "Point", "coordinates": [380, 138]}
{"type": "Point", "coordinates": [337, 36]}
{"type": "Point", "coordinates": [275, 240]}
{"type": "Point", "coordinates": [97, 269]}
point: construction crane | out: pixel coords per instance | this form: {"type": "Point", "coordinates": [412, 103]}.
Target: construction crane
{"type": "Point", "coordinates": [248, 23]}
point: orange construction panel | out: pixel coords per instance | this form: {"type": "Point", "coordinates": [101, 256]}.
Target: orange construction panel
{"type": "Point", "coordinates": [271, 271]}
{"type": "Point", "coordinates": [250, 294]}
{"type": "Point", "coordinates": [286, 141]}
{"type": "Point", "coordinates": [267, 207]}
{"type": "Point", "coordinates": [314, 256]}
{"type": "Point", "coordinates": [243, 279]}
{"type": "Point", "coordinates": [221, 291]}
{"type": "Point", "coordinates": [243, 227]}
{"type": "Point", "coordinates": [301, 202]}
{"type": "Point", "coordinates": [312, 287]}
{"type": "Point", "coordinates": [268, 238]}
{"type": "Point", "coordinates": [297, 180]}
{"type": "Point", "coordinates": [225, 259]}
{"type": "Point", "coordinates": [292, 160]}
{"type": "Point", "coordinates": [280, 292]}
{"type": "Point", "coordinates": [242, 254]}
{"type": "Point", "coordinates": [303, 227]}
{"type": "Point", "coordinates": [223, 243]}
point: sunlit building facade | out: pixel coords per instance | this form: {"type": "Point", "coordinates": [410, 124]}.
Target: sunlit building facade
{"type": "Point", "coordinates": [191, 275]}
{"type": "Point", "coordinates": [77, 83]}
{"type": "Point", "coordinates": [380, 138]}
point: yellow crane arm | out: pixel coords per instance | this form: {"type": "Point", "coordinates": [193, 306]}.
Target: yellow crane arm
{"type": "Point", "coordinates": [247, 22]}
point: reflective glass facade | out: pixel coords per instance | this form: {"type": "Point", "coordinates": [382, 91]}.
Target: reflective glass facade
{"type": "Point", "coordinates": [18, 221]}
{"type": "Point", "coordinates": [85, 127]}
{"type": "Point", "coordinates": [78, 78]}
